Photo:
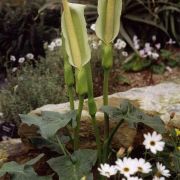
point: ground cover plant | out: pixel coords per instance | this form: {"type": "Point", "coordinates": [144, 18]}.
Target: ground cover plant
{"type": "Point", "coordinates": [159, 158]}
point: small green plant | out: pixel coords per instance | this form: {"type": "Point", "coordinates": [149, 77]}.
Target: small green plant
{"type": "Point", "coordinates": [31, 87]}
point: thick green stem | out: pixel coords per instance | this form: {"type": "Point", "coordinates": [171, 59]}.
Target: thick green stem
{"type": "Point", "coordinates": [96, 132]}
{"type": "Point", "coordinates": [105, 102]}
{"type": "Point", "coordinates": [93, 109]}
{"type": "Point", "coordinates": [71, 97]}
{"type": "Point", "coordinates": [78, 121]}
{"type": "Point", "coordinates": [107, 62]}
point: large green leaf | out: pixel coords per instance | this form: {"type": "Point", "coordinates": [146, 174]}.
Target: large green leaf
{"type": "Point", "coordinates": [75, 34]}
{"type": "Point", "coordinates": [40, 143]}
{"type": "Point", "coordinates": [50, 122]}
{"type": "Point", "coordinates": [142, 19]}
{"type": "Point", "coordinates": [22, 172]}
{"type": "Point", "coordinates": [108, 22]}
{"type": "Point", "coordinates": [77, 167]}
{"type": "Point", "coordinates": [133, 115]}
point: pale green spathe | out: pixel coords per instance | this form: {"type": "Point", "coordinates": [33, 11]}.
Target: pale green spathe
{"type": "Point", "coordinates": [79, 27]}
{"type": "Point", "coordinates": [108, 22]}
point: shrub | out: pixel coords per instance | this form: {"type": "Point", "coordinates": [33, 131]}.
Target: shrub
{"type": "Point", "coordinates": [29, 87]}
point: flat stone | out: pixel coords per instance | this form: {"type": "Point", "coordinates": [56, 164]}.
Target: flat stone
{"type": "Point", "coordinates": [162, 99]}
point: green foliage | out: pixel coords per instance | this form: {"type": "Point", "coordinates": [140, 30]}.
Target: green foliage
{"type": "Point", "coordinates": [50, 122]}
{"type": "Point", "coordinates": [23, 31]}
{"type": "Point", "coordinates": [32, 87]}
{"type": "Point", "coordinates": [22, 172]}
{"type": "Point", "coordinates": [166, 58]}
{"type": "Point", "coordinates": [161, 17]}
{"type": "Point", "coordinates": [133, 116]}
{"type": "Point", "coordinates": [136, 64]}
{"type": "Point", "coordinates": [76, 167]}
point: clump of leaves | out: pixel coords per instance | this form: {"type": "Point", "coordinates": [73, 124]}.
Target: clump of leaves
{"type": "Point", "coordinates": [32, 87]}
{"type": "Point", "coordinates": [24, 171]}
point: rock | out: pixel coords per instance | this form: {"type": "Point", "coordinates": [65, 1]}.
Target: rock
{"type": "Point", "coordinates": [162, 99]}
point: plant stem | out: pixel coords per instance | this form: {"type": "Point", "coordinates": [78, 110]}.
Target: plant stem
{"type": "Point", "coordinates": [71, 97]}
{"type": "Point", "coordinates": [107, 62]}
{"type": "Point", "coordinates": [96, 132]}
{"type": "Point", "coordinates": [105, 102]}
{"type": "Point", "coordinates": [93, 109]}
{"type": "Point", "coordinates": [61, 146]}
{"type": "Point", "coordinates": [78, 121]}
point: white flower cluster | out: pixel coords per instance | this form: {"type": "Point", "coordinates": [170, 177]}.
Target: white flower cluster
{"type": "Point", "coordinates": [149, 50]}
{"type": "Point", "coordinates": [54, 44]}
{"type": "Point", "coordinates": [131, 169]}
{"type": "Point", "coordinates": [120, 45]}
{"type": "Point", "coordinates": [21, 60]}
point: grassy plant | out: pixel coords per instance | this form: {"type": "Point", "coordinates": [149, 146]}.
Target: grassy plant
{"type": "Point", "coordinates": [33, 87]}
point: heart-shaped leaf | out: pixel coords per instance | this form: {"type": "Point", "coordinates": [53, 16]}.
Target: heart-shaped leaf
{"type": "Point", "coordinates": [23, 172]}
{"type": "Point", "coordinates": [83, 161]}
{"type": "Point", "coordinates": [50, 122]}
{"type": "Point", "coordinates": [133, 115]}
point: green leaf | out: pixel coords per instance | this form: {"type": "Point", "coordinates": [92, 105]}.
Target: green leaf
{"type": "Point", "coordinates": [22, 172]}
{"type": "Point", "coordinates": [158, 68]}
{"type": "Point", "coordinates": [133, 116]}
{"type": "Point", "coordinates": [136, 64]}
{"type": "Point", "coordinates": [50, 122]}
{"type": "Point", "coordinates": [40, 143]}
{"type": "Point", "coordinates": [78, 166]}
{"type": "Point", "coordinates": [176, 161]}
{"type": "Point", "coordinates": [124, 80]}
{"type": "Point", "coordinates": [108, 22]}
{"type": "Point", "coordinates": [146, 21]}
{"type": "Point", "coordinates": [80, 54]}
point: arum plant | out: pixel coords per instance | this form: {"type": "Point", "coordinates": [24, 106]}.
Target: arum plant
{"type": "Point", "coordinates": [68, 76]}
{"type": "Point", "coordinates": [107, 29]}
{"type": "Point", "coordinates": [79, 54]}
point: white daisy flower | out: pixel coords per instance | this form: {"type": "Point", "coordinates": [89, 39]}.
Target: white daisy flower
{"type": "Point", "coordinates": [143, 166]}
{"type": "Point", "coordinates": [158, 178]}
{"type": "Point", "coordinates": [127, 166]}
{"type": "Point", "coordinates": [21, 60]}
{"type": "Point", "coordinates": [93, 27]}
{"type": "Point", "coordinates": [162, 170]}
{"type": "Point", "coordinates": [153, 142]}
{"type": "Point", "coordinates": [132, 178]}
{"type": "Point", "coordinates": [12, 58]}
{"type": "Point", "coordinates": [107, 170]}
{"type": "Point", "coordinates": [30, 56]}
